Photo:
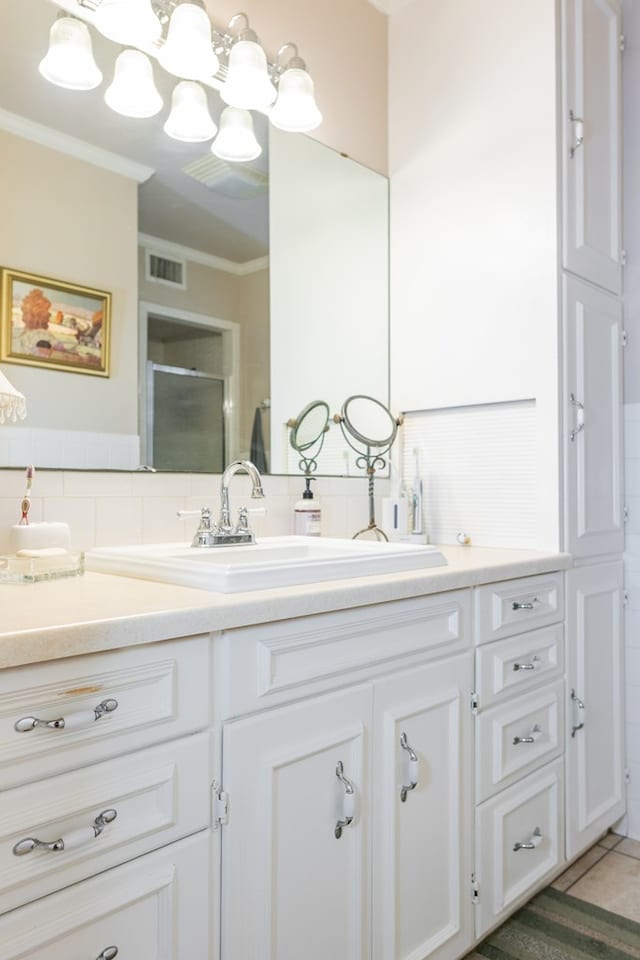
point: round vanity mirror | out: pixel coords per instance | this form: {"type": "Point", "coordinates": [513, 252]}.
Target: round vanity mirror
{"type": "Point", "coordinates": [309, 426]}
{"type": "Point", "coordinates": [368, 421]}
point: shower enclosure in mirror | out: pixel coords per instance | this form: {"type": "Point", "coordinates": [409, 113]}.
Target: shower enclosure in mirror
{"type": "Point", "coordinates": [286, 255]}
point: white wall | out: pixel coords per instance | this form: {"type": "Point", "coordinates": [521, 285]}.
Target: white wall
{"type": "Point", "coordinates": [474, 246]}
{"type": "Point", "coordinates": [631, 162]}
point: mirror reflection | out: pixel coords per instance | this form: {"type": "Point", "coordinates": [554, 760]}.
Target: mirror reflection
{"type": "Point", "coordinates": [239, 291]}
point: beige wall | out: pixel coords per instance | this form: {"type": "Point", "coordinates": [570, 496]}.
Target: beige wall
{"type": "Point", "coordinates": [69, 220]}
{"type": "Point", "coordinates": [345, 48]}
{"type": "Point", "coordinates": [210, 292]}
{"type": "Point", "coordinates": [253, 316]}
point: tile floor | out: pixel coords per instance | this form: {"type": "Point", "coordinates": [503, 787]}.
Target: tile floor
{"type": "Point", "coordinates": [607, 875]}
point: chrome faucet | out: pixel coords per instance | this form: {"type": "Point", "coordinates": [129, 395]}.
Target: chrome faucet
{"type": "Point", "coordinates": [224, 532]}
{"type": "Point", "coordinates": [224, 520]}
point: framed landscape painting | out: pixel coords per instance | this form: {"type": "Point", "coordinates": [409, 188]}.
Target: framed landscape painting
{"type": "Point", "coordinates": [51, 323]}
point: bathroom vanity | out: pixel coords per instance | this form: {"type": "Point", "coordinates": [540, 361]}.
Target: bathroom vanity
{"type": "Point", "coordinates": [377, 767]}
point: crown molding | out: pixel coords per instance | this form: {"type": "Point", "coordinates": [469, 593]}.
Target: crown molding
{"type": "Point", "coordinates": [180, 252]}
{"type": "Point", "coordinates": [73, 147]}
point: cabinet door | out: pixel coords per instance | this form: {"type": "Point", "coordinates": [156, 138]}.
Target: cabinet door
{"type": "Point", "coordinates": [421, 853]}
{"type": "Point", "coordinates": [591, 121]}
{"type": "Point", "coordinates": [291, 887]}
{"type": "Point", "coordinates": [594, 752]}
{"type": "Point", "coordinates": [594, 521]}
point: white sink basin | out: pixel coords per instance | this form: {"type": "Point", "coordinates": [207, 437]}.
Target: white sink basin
{"type": "Point", "coordinates": [271, 562]}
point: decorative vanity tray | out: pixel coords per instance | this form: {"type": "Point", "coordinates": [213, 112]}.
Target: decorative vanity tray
{"type": "Point", "coordinates": [33, 569]}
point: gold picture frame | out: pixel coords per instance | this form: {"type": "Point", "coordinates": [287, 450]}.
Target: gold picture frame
{"type": "Point", "coordinates": [54, 324]}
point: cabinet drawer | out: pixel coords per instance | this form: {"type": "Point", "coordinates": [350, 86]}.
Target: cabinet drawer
{"type": "Point", "coordinates": [278, 662]}
{"type": "Point", "coordinates": [156, 907]}
{"type": "Point", "coordinates": [506, 668]}
{"type": "Point", "coordinates": [162, 691]}
{"type": "Point", "coordinates": [160, 794]}
{"type": "Point", "coordinates": [530, 812]}
{"type": "Point", "coordinates": [517, 737]}
{"type": "Point", "coordinates": [513, 606]}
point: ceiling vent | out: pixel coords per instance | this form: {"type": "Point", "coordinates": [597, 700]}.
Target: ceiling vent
{"type": "Point", "coordinates": [159, 269]}
{"type": "Point", "coordinates": [231, 180]}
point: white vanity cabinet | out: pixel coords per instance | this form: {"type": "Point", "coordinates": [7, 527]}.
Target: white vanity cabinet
{"type": "Point", "coordinates": [105, 805]}
{"type": "Point", "coordinates": [372, 779]}
{"type": "Point", "coordinates": [595, 704]}
{"type": "Point", "coordinates": [519, 742]}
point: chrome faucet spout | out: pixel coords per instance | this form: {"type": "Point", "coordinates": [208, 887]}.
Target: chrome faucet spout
{"type": "Point", "coordinates": [238, 466]}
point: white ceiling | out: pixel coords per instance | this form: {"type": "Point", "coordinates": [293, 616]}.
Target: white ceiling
{"type": "Point", "coordinates": [172, 205]}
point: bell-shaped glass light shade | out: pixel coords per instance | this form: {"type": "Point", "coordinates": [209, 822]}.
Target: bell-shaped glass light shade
{"type": "Point", "coordinates": [188, 52]}
{"type": "Point", "coordinates": [190, 119]}
{"type": "Point", "coordinates": [295, 110]}
{"type": "Point", "coordinates": [69, 61]}
{"type": "Point", "coordinates": [129, 22]}
{"type": "Point", "coordinates": [133, 92]}
{"type": "Point", "coordinates": [236, 141]}
{"type": "Point", "coordinates": [12, 402]}
{"type": "Point", "coordinates": [248, 86]}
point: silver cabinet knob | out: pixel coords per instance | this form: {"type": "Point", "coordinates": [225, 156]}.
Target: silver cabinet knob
{"type": "Point", "coordinates": [579, 427]}
{"type": "Point", "coordinates": [528, 605]}
{"type": "Point", "coordinates": [73, 840]}
{"type": "Point", "coordinates": [577, 704]}
{"type": "Point", "coordinates": [579, 131]}
{"type": "Point", "coordinates": [73, 721]}
{"type": "Point", "coordinates": [536, 733]}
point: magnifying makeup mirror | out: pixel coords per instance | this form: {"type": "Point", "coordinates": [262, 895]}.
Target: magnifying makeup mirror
{"type": "Point", "coordinates": [307, 432]}
{"type": "Point", "coordinates": [366, 422]}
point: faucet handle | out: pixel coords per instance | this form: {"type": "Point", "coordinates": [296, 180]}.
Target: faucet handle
{"type": "Point", "coordinates": [243, 517]}
{"type": "Point", "coordinates": [206, 528]}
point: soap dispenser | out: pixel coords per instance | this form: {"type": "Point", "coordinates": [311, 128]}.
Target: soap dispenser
{"type": "Point", "coordinates": [307, 513]}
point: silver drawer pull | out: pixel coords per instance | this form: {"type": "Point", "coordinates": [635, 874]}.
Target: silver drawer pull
{"type": "Point", "coordinates": [348, 802]}
{"type": "Point", "coordinates": [73, 840]}
{"type": "Point", "coordinates": [74, 721]}
{"type": "Point", "coordinates": [535, 841]}
{"type": "Point", "coordinates": [530, 605]}
{"type": "Point", "coordinates": [577, 705]}
{"type": "Point", "coordinates": [109, 953]}
{"type": "Point", "coordinates": [536, 733]}
{"type": "Point", "coordinates": [413, 769]}
{"type": "Point", "coordinates": [526, 666]}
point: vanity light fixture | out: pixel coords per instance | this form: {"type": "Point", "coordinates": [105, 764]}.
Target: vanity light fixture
{"type": "Point", "coordinates": [188, 52]}
{"type": "Point", "coordinates": [295, 110]}
{"type": "Point", "coordinates": [248, 85]}
{"type": "Point", "coordinates": [128, 22]}
{"type": "Point", "coordinates": [179, 34]}
{"type": "Point", "coordinates": [12, 403]}
{"type": "Point", "coordinates": [236, 142]}
{"type": "Point", "coordinates": [69, 61]}
{"type": "Point", "coordinates": [133, 92]}
{"type": "Point", "coordinates": [190, 119]}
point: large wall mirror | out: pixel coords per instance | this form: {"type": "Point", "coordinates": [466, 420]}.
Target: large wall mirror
{"type": "Point", "coordinates": [240, 292]}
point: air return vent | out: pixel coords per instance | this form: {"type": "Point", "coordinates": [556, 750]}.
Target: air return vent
{"type": "Point", "coordinates": [166, 270]}
{"type": "Point", "coordinates": [233, 180]}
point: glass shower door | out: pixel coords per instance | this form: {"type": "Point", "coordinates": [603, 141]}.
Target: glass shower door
{"type": "Point", "coordinates": [186, 420]}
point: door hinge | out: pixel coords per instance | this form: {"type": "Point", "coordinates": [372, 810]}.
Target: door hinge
{"type": "Point", "coordinates": [624, 338]}
{"type": "Point", "coordinates": [625, 515]}
{"type": "Point", "coordinates": [622, 42]}
{"type": "Point", "coordinates": [623, 257]}
{"type": "Point", "coordinates": [625, 598]}
{"type": "Point", "coordinates": [475, 890]}
{"type": "Point", "coordinates": [475, 703]}
{"type": "Point", "coordinates": [219, 806]}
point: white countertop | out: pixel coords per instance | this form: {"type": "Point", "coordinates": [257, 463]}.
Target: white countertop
{"type": "Point", "coordinates": [63, 618]}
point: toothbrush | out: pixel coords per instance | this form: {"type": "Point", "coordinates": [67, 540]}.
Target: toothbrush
{"type": "Point", "coordinates": [25, 506]}
{"type": "Point", "coordinates": [417, 496]}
